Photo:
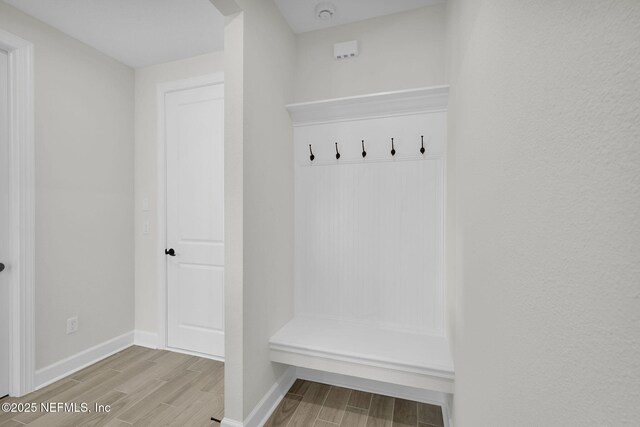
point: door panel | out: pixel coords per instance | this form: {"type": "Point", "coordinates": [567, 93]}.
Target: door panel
{"type": "Point", "coordinates": [4, 226]}
{"type": "Point", "coordinates": [195, 219]}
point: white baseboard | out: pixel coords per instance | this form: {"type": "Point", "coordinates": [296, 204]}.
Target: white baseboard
{"type": "Point", "coordinates": [145, 339]}
{"type": "Point", "coordinates": [263, 409]}
{"type": "Point", "coordinates": [449, 410]}
{"type": "Point", "coordinates": [377, 387]}
{"type": "Point", "coordinates": [78, 361]}
{"type": "Point", "coordinates": [195, 353]}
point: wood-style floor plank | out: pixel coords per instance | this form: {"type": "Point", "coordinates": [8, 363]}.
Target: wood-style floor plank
{"type": "Point", "coordinates": [381, 411]}
{"type": "Point", "coordinates": [45, 394]}
{"type": "Point", "coordinates": [355, 417]}
{"type": "Point", "coordinates": [362, 409]}
{"type": "Point", "coordinates": [360, 399]}
{"type": "Point", "coordinates": [323, 423]}
{"type": "Point", "coordinates": [283, 413]}
{"type": "Point", "coordinates": [165, 392]}
{"type": "Point", "coordinates": [125, 403]}
{"type": "Point", "coordinates": [199, 413]}
{"type": "Point", "coordinates": [299, 387]}
{"type": "Point", "coordinates": [405, 413]}
{"type": "Point", "coordinates": [335, 404]}
{"type": "Point", "coordinates": [73, 394]}
{"type": "Point", "coordinates": [430, 414]}
{"type": "Point", "coordinates": [142, 387]}
{"type": "Point", "coordinates": [310, 406]}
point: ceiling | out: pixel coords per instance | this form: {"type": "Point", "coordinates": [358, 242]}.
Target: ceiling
{"type": "Point", "coordinates": [301, 15]}
{"type": "Point", "coordinates": [138, 33]}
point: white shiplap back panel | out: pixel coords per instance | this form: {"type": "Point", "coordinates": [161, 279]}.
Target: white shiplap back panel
{"type": "Point", "coordinates": [369, 232]}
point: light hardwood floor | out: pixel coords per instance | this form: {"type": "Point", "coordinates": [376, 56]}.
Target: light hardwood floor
{"type": "Point", "coordinates": [310, 404]}
{"type": "Point", "coordinates": [144, 387]}
{"type": "Point", "coordinates": [147, 387]}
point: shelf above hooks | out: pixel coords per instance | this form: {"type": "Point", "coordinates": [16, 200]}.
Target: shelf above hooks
{"type": "Point", "coordinates": [421, 100]}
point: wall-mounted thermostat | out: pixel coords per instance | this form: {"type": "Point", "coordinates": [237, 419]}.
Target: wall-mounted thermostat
{"type": "Point", "coordinates": [345, 49]}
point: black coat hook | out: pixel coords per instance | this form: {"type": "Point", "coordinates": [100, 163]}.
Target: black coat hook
{"type": "Point", "coordinates": [337, 152]}
{"type": "Point", "coordinates": [422, 150]}
{"type": "Point", "coordinates": [311, 157]}
{"type": "Point", "coordinates": [364, 153]}
{"type": "Point", "coordinates": [393, 148]}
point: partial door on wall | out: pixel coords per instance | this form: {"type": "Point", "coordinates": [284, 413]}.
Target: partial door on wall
{"type": "Point", "coordinates": [194, 138]}
{"type": "Point", "coordinates": [4, 226]}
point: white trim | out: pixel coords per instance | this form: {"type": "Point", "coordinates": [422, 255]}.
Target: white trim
{"type": "Point", "coordinates": [81, 360]}
{"type": "Point", "coordinates": [22, 201]}
{"type": "Point", "coordinates": [145, 339]}
{"type": "Point", "coordinates": [359, 350]}
{"type": "Point", "coordinates": [195, 353]}
{"type": "Point", "coordinates": [162, 90]}
{"type": "Point", "coordinates": [448, 417]}
{"type": "Point", "coordinates": [385, 104]}
{"type": "Point", "coordinates": [263, 410]}
{"type": "Point", "coordinates": [376, 373]}
{"type": "Point", "coordinates": [268, 404]}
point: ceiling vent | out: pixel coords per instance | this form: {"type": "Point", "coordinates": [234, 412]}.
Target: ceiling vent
{"type": "Point", "coordinates": [325, 10]}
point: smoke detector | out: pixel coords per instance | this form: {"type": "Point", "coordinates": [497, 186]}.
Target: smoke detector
{"type": "Point", "coordinates": [325, 10]}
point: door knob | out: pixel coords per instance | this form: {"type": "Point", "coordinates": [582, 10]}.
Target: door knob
{"type": "Point", "coordinates": [170, 252]}
{"type": "Point", "coordinates": [1, 266]}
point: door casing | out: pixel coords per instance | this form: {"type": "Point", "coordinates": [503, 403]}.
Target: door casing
{"type": "Point", "coordinates": [162, 90]}
{"type": "Point", "coordinates": [22, 213]}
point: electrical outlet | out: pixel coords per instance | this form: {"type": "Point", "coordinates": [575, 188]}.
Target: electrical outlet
{"type": "Point", "coordinates": [72, 325]}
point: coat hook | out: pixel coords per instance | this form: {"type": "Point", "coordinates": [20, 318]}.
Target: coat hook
{"type": "Point", "coordinates": [337, 152]}
{"type": "Point", "coordinates": [311, 157]}
{"type": "Point", "coordinates": [393, 148]}
{"type": "Point", "coordinates": [364, 153]}
{"type": "Point", "coordinates": [422, 150]}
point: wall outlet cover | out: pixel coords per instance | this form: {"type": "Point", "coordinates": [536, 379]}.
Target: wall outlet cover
{"type": "Point", "coordinates": [72, 325]}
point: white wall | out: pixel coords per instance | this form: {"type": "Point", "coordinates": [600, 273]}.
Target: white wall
{"type": "Point", "coordinates": [84, 190]}
{"type": "Point", "coordinates": [545, 121]}
{"type": "Point", "coordinates": [400, 51]}
{"type": "Point", "coordinates": [258, 166]}
{"type": "Point", "coordinates": [268, 192]}
{"type": "Point", "coordinates": [234, 214]}
{"type": "Point", "coordinates": [146, 111]}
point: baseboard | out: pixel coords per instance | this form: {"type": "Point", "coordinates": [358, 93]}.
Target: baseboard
{"type": "Point", "coordinates": [145, 339]}
{"type": "Point", "coordinates": [228, 422]}
{"type": "Point", "coordinates": [449, 410]}
{"type": "Point", "coordinates": [81, 360]}
{"type": "Point", "coordinates": [263, 410]}
{"type": "Point", "coordinates": [378, 387]}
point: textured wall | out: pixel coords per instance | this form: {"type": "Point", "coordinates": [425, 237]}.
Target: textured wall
{"type": "Point", "coordinates": [545, 130]}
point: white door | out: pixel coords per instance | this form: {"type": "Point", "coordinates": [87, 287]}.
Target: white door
{"type": "Point", "coordinates": [4, 226]}
{"type": "Point", "coordinates": [194, 120]}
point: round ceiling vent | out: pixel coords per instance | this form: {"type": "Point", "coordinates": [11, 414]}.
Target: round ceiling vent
{"type": "Point", "coordinates": [325, 10]}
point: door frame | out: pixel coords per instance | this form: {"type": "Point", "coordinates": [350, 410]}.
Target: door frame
{"type": "Point", "coordinates": [162, 90]}
{"type": "Point", "coordinates": [22, 213]}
